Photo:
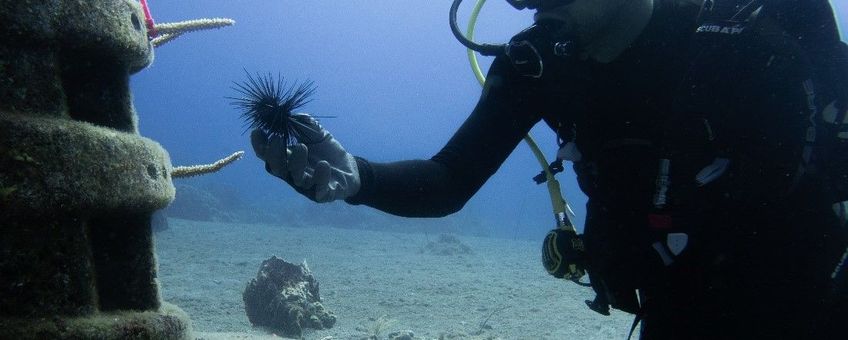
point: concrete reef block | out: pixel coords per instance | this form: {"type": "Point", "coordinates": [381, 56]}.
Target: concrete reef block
{"type": "Point", "coordinates": [52, 166]}
{"type": "Point", "coordinates": [77, 201]}
{"type": "Point", "coordinates": [72, 58]}
{"type": "Point", "coordinates": [43, 273]}
{"type": "Point", "coordinates": [101, 25]}
{"type": "Point", "coordinates": [168, 322]}
{"type": "Point", "coordinates": [284, 298]}
{"type": "Point", "coordinates": [78, 185]}
{"type": "Point", "coordinates": [72, 269]}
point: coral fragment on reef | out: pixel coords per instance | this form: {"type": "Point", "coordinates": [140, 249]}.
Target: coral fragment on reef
{"type": "Point", "coordinates": [172, 30]}
{"type": "Point", "coordinates": [197, 170]}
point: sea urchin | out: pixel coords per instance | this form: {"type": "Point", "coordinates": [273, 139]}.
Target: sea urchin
{"type": "Point", "coordinates": [268, 104]}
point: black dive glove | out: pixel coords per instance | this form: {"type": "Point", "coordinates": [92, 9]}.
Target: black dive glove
{"type": "Point", "coordinates": [322, 171]}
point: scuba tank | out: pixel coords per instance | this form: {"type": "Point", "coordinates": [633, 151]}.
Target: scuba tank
{"type": "Point", "coordinates": [812, 32]}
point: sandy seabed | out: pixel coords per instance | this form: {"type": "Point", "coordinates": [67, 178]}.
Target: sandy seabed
{"type": "Point", "coordinates": [373, 279]}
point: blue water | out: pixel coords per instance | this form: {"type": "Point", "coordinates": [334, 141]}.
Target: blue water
{"type": "Point", "coordinates": [841, 9]}
{"type": "Point", "coordinates": [390, 70]}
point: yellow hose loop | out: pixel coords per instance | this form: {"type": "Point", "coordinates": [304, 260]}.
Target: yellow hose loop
{"type": "Point", "coordinates": [558, 203]}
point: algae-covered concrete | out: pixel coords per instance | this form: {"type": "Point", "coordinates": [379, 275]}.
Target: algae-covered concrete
{"type": "Point", "coordinates": [78, 185]}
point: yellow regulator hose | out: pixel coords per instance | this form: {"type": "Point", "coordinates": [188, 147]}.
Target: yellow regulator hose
{"type": "Point", "coordinates": [560, 206]}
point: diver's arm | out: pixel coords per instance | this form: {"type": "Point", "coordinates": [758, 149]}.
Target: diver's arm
{"type": "Point", "coordinates": [443, 184]}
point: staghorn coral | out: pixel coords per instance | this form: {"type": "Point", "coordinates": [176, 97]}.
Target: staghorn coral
{"type": "Point", "coordinates": [172, 30]}
{"type": "Point", "coordinates": [197, 170]}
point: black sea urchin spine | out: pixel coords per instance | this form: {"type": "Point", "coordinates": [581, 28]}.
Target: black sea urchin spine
{"type": "Point", "coordinates": [269, 104]}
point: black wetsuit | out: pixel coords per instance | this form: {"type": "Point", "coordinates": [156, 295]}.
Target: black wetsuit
{"type": "Point", "coordinates": [762, 245]}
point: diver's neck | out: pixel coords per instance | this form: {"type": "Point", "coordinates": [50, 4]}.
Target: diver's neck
{"type": "Point", "coordinates": [612, 42]}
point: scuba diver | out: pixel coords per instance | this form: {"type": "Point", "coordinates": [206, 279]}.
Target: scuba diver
{"type": "Point", "coordinates": [704, 133]}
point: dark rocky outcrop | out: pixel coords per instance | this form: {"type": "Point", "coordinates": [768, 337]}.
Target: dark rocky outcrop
{"type": "Point", "coordinates": [284, 297]}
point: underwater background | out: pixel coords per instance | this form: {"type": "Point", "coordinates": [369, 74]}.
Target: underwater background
{"type": "Point", "coordinates": [392, 73]}
{"type": "Point", "coordinates": [400, 85]}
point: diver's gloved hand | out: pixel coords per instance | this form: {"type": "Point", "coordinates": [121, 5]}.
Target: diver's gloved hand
{"type": "Point", "coordinates": [320, 169]}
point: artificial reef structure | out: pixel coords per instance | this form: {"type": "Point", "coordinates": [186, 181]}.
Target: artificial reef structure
{"type": "Point", "coordinates": [78, 184]}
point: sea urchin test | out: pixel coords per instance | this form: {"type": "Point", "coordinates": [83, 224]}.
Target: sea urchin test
{"type": "Point", "coordinates": [269, 104]}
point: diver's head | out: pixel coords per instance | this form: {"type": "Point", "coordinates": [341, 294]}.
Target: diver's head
{"type": "Point", "coordinates": [599, 24]}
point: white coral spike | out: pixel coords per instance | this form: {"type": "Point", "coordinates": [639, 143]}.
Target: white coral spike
{"type": "Point", "coordinates": [171, 30]}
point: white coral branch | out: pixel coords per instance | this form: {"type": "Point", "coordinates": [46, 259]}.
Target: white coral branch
{"type": "Point", "coordinates": [163, 39]}
{"type": "Point", "coordinates": [171, 30]}
{"type": "Point", "coordinates": [197, 170]}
